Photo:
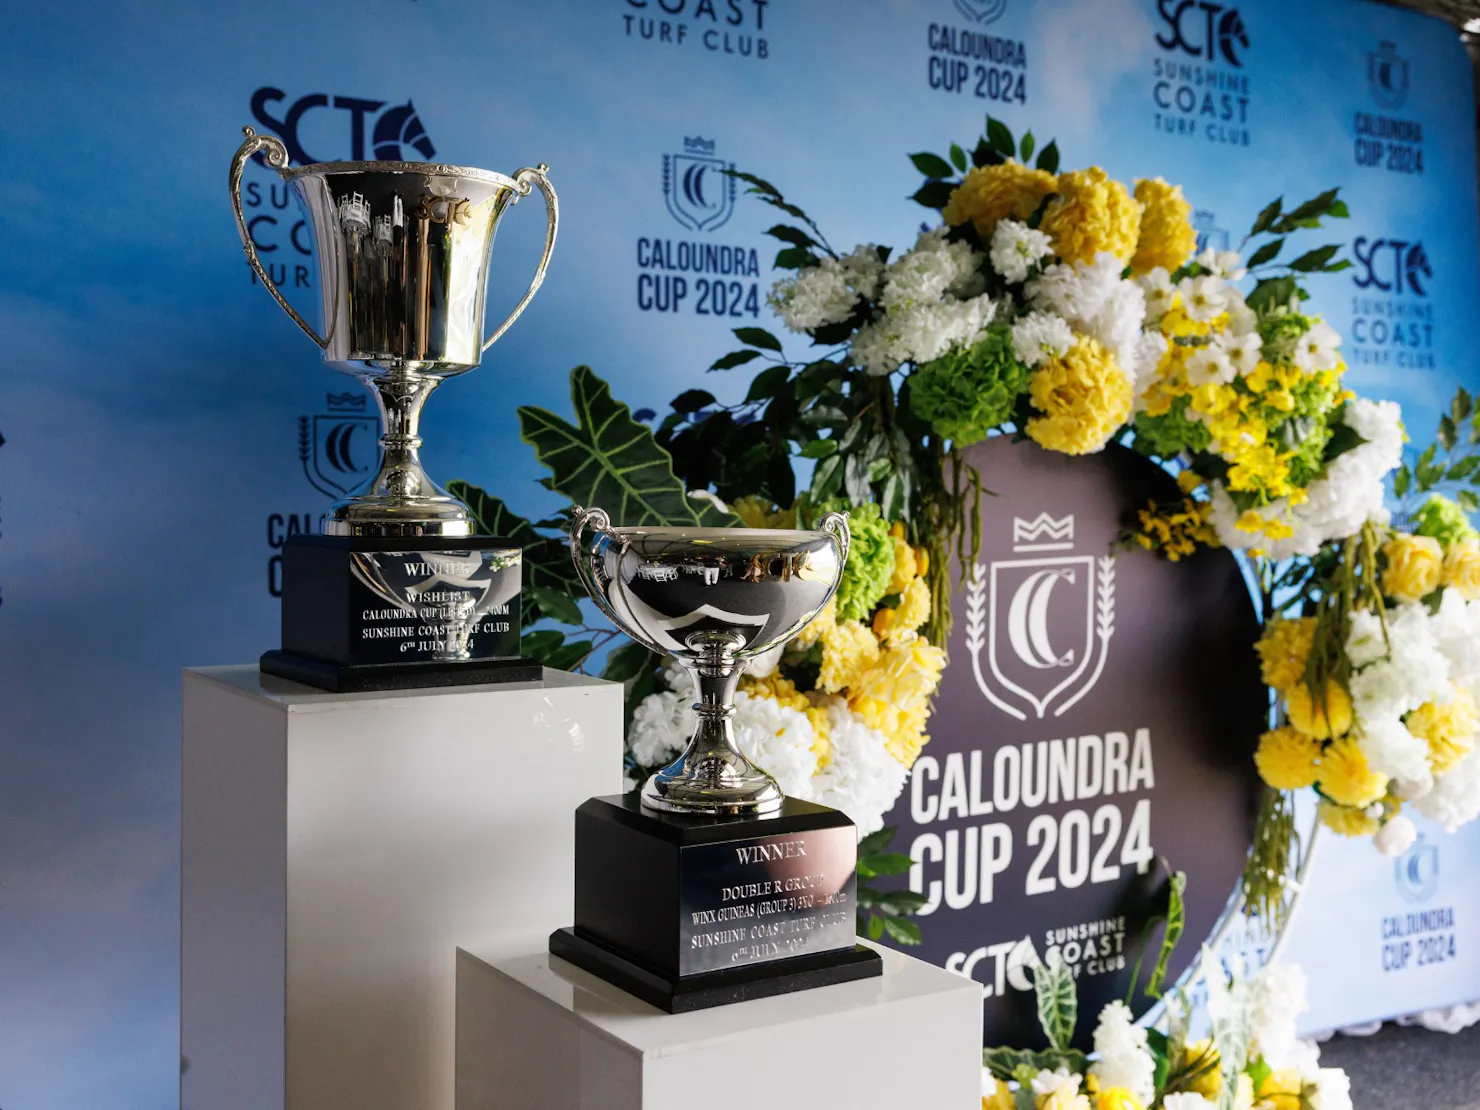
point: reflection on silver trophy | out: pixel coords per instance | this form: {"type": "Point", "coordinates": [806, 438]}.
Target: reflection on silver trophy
{"type": "Point", "coordinates": [402, 253]}
{"type": "Point", "coordinates": [449, 593]}
{"type": "Point", "coordinates": [713, 598]}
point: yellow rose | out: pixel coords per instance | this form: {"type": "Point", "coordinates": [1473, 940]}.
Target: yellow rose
{"type": "Point", "coordinates": [1346, 777]}
{"type": "Point", "coordinates": [989, 194]}
{"type": "Point", "coordinates": [1117, 1098]}
{"type": "Point", "coordinates": [1462, 569]}
{"type": "Point", "coordinates": [1329, 716]}
{"type": "Point", "coordinates": [1167, 239]}
{"type": "Point", "coordinates": [1083, 396]}
{"type": "Point", "coordinates": [1415, 566]}
{"type": "Point", "coordinates": [1092, 213]}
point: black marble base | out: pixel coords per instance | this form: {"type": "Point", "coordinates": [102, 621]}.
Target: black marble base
{"type": "Point", "coordinates": [698, 911]}
{"type": "Point", "coordinates": [714, 988]}
{"type": "Point", "coordinates": [352, 678]}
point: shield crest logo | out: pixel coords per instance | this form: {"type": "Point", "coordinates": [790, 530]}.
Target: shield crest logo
{"type": "Point", "coordinates": [339, 448]}
{"type": "Point", "coordinates": [1416, 872]}
{"type": "Point", "coordinates": [1038, 626]}
{"type": "Point", "coordinates": [982, 11]}
{"type": "Point", "coordinates": [697, 190]}
{"type": "Point", "coordinates": [1387, 76]}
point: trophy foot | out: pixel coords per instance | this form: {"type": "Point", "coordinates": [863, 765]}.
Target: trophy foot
{"type": "Point", "coordinates": [390, 516]}
{"type": "Point", "coordinates": [701, 796]}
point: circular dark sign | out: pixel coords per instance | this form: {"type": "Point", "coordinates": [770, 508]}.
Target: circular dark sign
{"type": "Point", "coordinates": [1099, 713]}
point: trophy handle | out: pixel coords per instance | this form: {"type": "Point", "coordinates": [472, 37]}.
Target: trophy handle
{"type": "Point", "coordinates": [601, 525]}
{"type": "Point", "coordinates": [275, 154]}
{"type": "Point", "coordinates": [526, 179]}
{"type": "Point", "coordinates": [836, 526]}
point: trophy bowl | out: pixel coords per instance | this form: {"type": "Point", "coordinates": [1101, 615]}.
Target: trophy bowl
{"type": "Point", "coordinates": [713, 598]}
{"type": "Point", "coordinates": [403, 252]}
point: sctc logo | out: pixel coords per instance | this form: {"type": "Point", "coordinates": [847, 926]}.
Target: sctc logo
{"type": "Point", "coordinates": [1387, 75]}
{"type": "Point", "coordinates": [1416, 872]}
{"type": "Point", "coordinates": [338, 448]}
{"type": "Point", "coordinates": [1203, 30]}
{"type": "Point", "coordinates": [697, 187]}
{"type": "Point", "coordinates": [982, 11]}
{"type": "Point", "coordinates": [1209, 234]}
{"type": "Point", "coordinates": [1392, 266]}
{"type": "Point", "coordinates": [394, 131]}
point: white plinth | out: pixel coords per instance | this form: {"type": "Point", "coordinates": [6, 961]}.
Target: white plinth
{"type": "Point", "coordinates": [338, 848]}
{"type": "Point", "coordinates": [536, 1033]}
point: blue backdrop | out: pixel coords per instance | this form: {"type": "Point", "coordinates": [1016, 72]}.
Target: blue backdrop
{"type": "Point", "coordinates": [158, 411]}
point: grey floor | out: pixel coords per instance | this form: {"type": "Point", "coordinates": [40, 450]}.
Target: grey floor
{"type": "Point", "coordinates": [1410, 1069]}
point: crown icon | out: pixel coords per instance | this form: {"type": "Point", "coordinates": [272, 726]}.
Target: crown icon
{"type": "Point", "coordinates": [698, 143]}
{"type": "Point", "coordinates": [345, 402]}
{"type": "Point", "coordinates": [1026, 534]}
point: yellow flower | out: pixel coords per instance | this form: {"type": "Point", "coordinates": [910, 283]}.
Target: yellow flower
{"type": "Point", "coordinates": [1283, 651]}
{"type": "Point", "coordinates": [820, 625]}
{"type": "Point", "coordinates": [1346, 777]}
{"type": "Point", "coordinates": [1448, 728]}
{"type": "Point", "coordinates": [1092, 213]}
{"type": "Point", "coordinates": [1281, 1090]}
{"type": "Point", "coordinates": [1000, 1096]}
{"type": "Point", "coordinates": [1176, 530]}
{"type": "Point", "coordinates": [894, 696]}
{"type": "Point", "coordinates": [1462, 569]}
{"type": "Point", "coordinates": [1414, 566]}
{"type": "Point", "coordinates": [1345, 821]}
{"type": "Point", "coordinates": [905, 567]}
{"type": "Point", "coordinates": [1084, 398]}
{"type": "Point", "coordinates": [1287, 758]}
{"type": "Point", "coordinates": [761, 512]}
{"type": "Point", "coordinates": [1167, 238]}
{"type": "Point", "coordinates": [989, 194]}
{"type": "Point", "coordinates": [1117, 1098]}
{"type": "Point", "coordinates": [781, 690]}
{"type": "Point", "coordinates": [1329, 716]}
{"type": "Point", "coordinates": [1243, 1096]}
{"type": "Point", "coordinates": [1204, 1058]}
{"type": "Point", "coordinates": [1064, 1098]}
{"type": "Point", "coordinates": [848, 650]}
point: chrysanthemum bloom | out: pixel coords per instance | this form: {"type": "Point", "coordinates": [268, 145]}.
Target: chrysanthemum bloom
{"type": "Point", "coordinates": [1084, 398]}
{"type": "Point", "coordinates": [1323, 718]}
{"type": "Point", "coordinates": [1415, 566]}
{"type": "Point", "coordinates": [1283, 651]}
{"type": "Point", "coordinates": [1167, 238]}
{"type": "Point", "coordinates": [1116, 1098]}
{"type": "Point", "coordinates": [894, 626]}
{"type": "Point", "coordinates": [820, 625]}
{"type": "Point", "coordinates": [906, 567]}
{"type": "Point", "coordinates": [992, 193]}
{"type": "Point", "coordinates": [894, 696]}
{"type": "Point", "coordinates": [1288, 759]}
{"type": "Point", "coordinates": [761, 512]}
{"type": "Point", "coordinates": [1346, 821]}
{"type": "Point", "coordinates": [1462, 569]}
{"type": "Point", "coordinates": [848, 649]}
{"type": "Point", "coordinates": [1093, 213]}
{"type": "Point", "coordinates": [1281, 1090]}
{"type": "Point", "coordinates": [1346, 776]}
{"type": "Point", "coordinates": [1447, 727]}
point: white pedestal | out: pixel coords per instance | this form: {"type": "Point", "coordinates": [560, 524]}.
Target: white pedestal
{"type": "Point", "coordinates": [536, 1033]}
{"type": "Point", "coordinates": [338, 848]}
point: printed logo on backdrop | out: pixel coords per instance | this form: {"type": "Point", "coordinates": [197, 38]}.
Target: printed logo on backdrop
{"type": "Point", "coordinates": [1209, 234]}
{"type": "Point", "coordinates": [1009, 604]}
{"type": "Point", "coordinates": [1416, 872]}
{"type": "Point", "coordinates": [1382, 139]}
{"type": "Point", "coordinates": [1392, 316]}
{"type": "Point", "coordinates": [695, 273]}
{"type": "Point", "coordinates": [1199, 90]}
{"type": "Point", "coordinates": [1422, 937]}
{"type": "Point", "coordinates": [1092, 723]}
{"type": "Point", "coordinates": [732, 27]}
{"type": "Point", "coordinates": [964, 60]}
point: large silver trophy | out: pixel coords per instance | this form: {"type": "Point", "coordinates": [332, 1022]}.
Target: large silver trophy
{"type": "Point", "coordinates": [714, 599]}
{"type": "Point", "coordinates": [402, 253]}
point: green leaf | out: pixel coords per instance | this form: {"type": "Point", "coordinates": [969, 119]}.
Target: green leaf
{"type": "Point", "coordinates": [609, 460]}
{"type": "Point", "coordinates": [933, 194]}
{"type": "Point", "coordinates": [892, 497]}
{"type": "Point", "coordinates": [901, 930]}
{"type": "Point", "coordinates": [902, 902]}
{"type": "Point", "coordinates": [788, 233]}
{"type": "Point", "coordinates": [1338, 210]}
{"type": "Point", "coordinates": [876, 841]}
{"type": "Point", "coordinates": [1446, 431]}
{"type": "Point", "coordinates": [1058, 999]}
{"type": "Point", "coordinates": [1048, 157]}
{"type": "Point", "coordinates": [692, 400]}
{"type": "Point", "coordinates": [561, 607]}
{"type": "Point", "coordinates": [1401, 481]}
{"type": "Point", "coordinates": [1459, 408]}
{"type": "Point", "coordinates": [890, 863]}
{"type": "Point", "coordinates": [1271, 293]}
{"type": "Point", "coordinates": [1467, 500]}
{"type": "Point", "coordinates": [539, 645]}
{"type": "Point", "coordinates": [1316, 259]}
{"type": "Point", "coordinates": [999, 135]}
{"type": "Point", "coordinates": [1025, 148]}
{"type": "Point", "coordinates": [1176, 920]}
{"type": "Point", "coordinates": [793, 258]}
{"type": "Point", "coordinates": [1267, 216]}
{"type": "Point", "coordinates": [1462, 469]}
{"type": "Point", "coordinates": [1006, 1063]}
{"type": "Point", "coordinates": [768, 383]}
{"type": "Point", "coordinates": [625, 663]}
{"type": "Point", "coordinates": [958, 157]}
{"type": "Point", "coordinates": [931, 165]}
{"type": "Point", "coordinates": [875, 927]}
{"type": "Point", "coordinates": [1337, 266]}
{"type": "Point", "coordinates": [568, 656]}
{"type": "Point", "coordinates": [827, 477]}
{"type": "Point", "coordinates": [1316, 207]}
{"type": "Point", "coordinates": [546, 560]}
{"type": "Point", "coordinates": [758, 337]}
{"type": "Point", "coordinates": [1266, 253]}
{"type": "Point", "coordinates": [734, 359]}
{"type": "Point", "coordinates": [822, 448]}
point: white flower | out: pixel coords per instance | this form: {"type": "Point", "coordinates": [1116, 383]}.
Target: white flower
{"type": "Point", "coordinates": [990, 1084]}
{"type": "Point", "coordinates": [928, 271]}
{"type": "Point", "coordinates": [1242, 350]}
{"type": "Point", "coordinates": [778, 739]}
{"type": "Point", "coordinates": [1203, 297]}
{"type": "Point", "coordinates": [1333, 1090]}
{"type": "Point", "coordinates": [764, 665]}
{"type": "Point", "coordinates": [863, 270]}
{"type": "Point", "coordinates": [1242, 320]}
{"type": "Point", "coordinates": [1040, 335]}
{"type": "Point", "coordinates": [1125, 1061]}
{"type": "Point", "coordinates": [828, 292]}
{"type": "Point", "coordinates": [1318, 349]}
{"type": "Point", "coordinates": [1210, 365]}
{"type": "Point", "coordinates": [1366, 642]}
{"type": "Point", "coordinates": [1047, 1082]}
{"type": "Point", "coordinates": [662, 724]}
{"type": "Point", "coordinates": [1225, 264]}
{"type": "Point", "coordinates": [1016, 248]}
{"type": "Point", "coordinates": [1279, 997]}
{"type": "Point", "coordinates": [1457, 629]}
{"type": "Point", "coordinates": [1187, 1100]}
{"type": "Point", "coordinates": [1455, 799]}
{"type": "Point", "coordinates": [863, 779]}
{"type": "Point", "coordinates": [1396, 836]}
{"type": "Point", "coordinates": [1394, 751]}
{"type": "Point", "coordinates": [1117, 325]}
{"type": "Point", "coordinates": [1077, 292]}
{"type": "Point", "coordinates": [1159, 290]}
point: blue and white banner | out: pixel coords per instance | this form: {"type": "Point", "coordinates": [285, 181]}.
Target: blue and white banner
{"type": "Point", "coordinates": [165, 427]}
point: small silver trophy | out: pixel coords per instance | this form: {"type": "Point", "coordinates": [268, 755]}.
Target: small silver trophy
{"type": "Point", "coordinates": [713, 598]}
{"type": "Point", "coordinates": [403, 253]}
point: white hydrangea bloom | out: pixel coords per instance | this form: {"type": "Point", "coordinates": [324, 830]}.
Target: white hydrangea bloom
{"type": "Point", "coordinates": [1210, 365]}
{"type": "Point", "coordinates": [1457, 629]}
{"type": "Point", "coordinates": [1333, 1090]}
{"type": "Point", "coordinates": [1039, 336]}
{"type": "Point", "coordinates": [1016, 248]}
{"type": "Point", "coordinates": [1159, 290]}
{"type": "Point", "coordinates": [1187, 1100]}
{"type": "Point", "coordinates": [1366, 642]}
{"type": "Point", "coordinates": [1279, 997]}
{"type": "Point", "coordinates": [1117, 325]}
{"type": "Point", "coordinates": [863, 779]}
{"type": "Point", "coordinates": [928, 271]}
{"type": "Point", "coordinates": [778, 739]}
{"type": "Point", "coordinates": [1455, 799]}
{"type": "Point", "coordinates": [1395, 837]}
{"type": "Point", "coordinates": [921, 334]}
{"type": "Point", "coordinates": [863, 269]}
{"type": "Point", "coordinates": [1204, 297]}
{"type": "Point", "coordinates": [662, 724]}
{"type": "Point", "coordinates": [1225, 264]}
{"type": "Point", "coordinates": [1125, 1061]}
{"type": "Point", "coordinates": [1414, 650]}
{"type": "Point", "coordinates": [827, 293]}
{"type": "Point", "coordinates": [1318, 349]}
{"type": "Point", "coordinates": [1394, 751]}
